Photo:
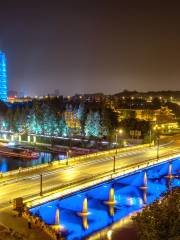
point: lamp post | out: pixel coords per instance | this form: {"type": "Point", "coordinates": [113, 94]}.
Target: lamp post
{"type": "Point", "coordinates": [150, 137]}
{"type": "Point", "coordinates": [120, 131]}
{"type": "Point", "coordinates": [41, 191]}
{"type": "Point", "coordinates": [156, 128]}
{"type": "Point", "coordinates": [114, 164]}
{"type": "Point", "coordinates": [157, 146]}
{"type": "Point", "coordinates": [68, 155]}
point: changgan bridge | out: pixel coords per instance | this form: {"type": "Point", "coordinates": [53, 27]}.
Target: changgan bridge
{"type": "Point", "coordinates": [66, 174]}
{"type": "Point", "coordinates": [44, 187]}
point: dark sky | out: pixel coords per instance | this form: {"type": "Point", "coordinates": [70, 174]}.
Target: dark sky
{"type": "Point", "coordinates": [91, 45]}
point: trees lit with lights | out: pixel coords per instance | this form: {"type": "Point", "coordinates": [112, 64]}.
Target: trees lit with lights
{"type": "Point", "coordinates": [93, 125]}
{"type": "Point", "coordinates": [52, 119]}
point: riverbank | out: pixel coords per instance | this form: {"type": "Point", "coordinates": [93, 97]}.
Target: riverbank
{"type": "Point", "coordinates": [13, 227]}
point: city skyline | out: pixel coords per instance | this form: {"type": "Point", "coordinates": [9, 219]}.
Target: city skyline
{"type": "Point", "coordinates": [89, 47]}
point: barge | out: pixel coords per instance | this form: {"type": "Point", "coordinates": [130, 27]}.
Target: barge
{"type": "Point", "coordinates": [19, 153]}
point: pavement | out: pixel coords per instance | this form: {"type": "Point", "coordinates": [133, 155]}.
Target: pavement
{"type": "Point", "coordinates": [13, 227]}
{"type": "Point", "coordinates": [43, 168]}
{"type": "Point", "coordinates": [57, 178]}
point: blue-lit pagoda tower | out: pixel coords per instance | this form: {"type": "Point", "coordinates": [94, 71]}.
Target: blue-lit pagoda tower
{"type": "Point", "coordinates": [3, 77]}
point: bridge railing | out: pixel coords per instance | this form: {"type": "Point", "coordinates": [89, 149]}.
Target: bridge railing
{"type": "Point", "coordinates": [101, 154]}
{"type": "Point", "coordinates": [62, 190]}
{"type": "Point", "coordinates": [73, 160]}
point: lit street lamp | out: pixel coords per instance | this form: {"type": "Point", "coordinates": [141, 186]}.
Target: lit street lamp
{"type": "Point", "coordinates": [118, 132]}
{"type": "Point", "coordinates": [156, 129]}
{"type": "Point", "coordinates": [68, 156]}
{"type": "Point", "coordinates": [114, 164]}
{"type": "Point", "coordinates": [157, 146]}
{"type": "Point", "coordinates": [150, 137]}
{"type": "Point", "coordinates": [41, 191]}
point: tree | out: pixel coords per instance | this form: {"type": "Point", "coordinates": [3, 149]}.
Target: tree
{"type": "Point", "coordinates": [92, 125]}
{"type": "Point", "coordinates": [160, 220]}
{"type": "Point", "coordinates": [9, 119]}
{"type": "Point", "coordinates": [16, 120]}
{"type": "Point", "coordinates": [81, 116]}
{"type": "Point", "coordinates": [46, 126]}
{"type": "Point", "coordinates": [63, 130]}
{"type": "Point", "coordinates": [156, 103]}
{"type": "Point", "coordinates": [35, 119]}
{"type": "Point", "coordinates": [174, 107]}
{"type": "Point", "coordinates": [132, 124]}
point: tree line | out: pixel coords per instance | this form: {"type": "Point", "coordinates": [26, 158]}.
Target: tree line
{"type": "Point", "coordinates": [59, 116]}
{"type": "Point", "coordinates": [50, 117]}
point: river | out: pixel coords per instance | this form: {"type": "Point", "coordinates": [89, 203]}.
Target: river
{"type": "Point", "coordinates": [102, 212]}
{"type": "Point", "coordinates": [10, 163]}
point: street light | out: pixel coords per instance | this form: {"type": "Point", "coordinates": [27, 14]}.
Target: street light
{"type": "Point", "coordinates": [157, 146]}
{"type": "Point", "coordinates": [156, 129]}
{"type": "Point", "coordinates": [41, 191]}
{"type": "Point", "coordinates": [120, 131]}
{"type": "Point", "coordinates": [114, 164]}
{"type": "Point", "coordinates": [67, 156]}
{"type": "Point", "coordinates": [150, 137]}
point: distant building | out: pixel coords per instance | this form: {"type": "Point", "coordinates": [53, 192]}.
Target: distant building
{"type": "Point", "coordinates": [72, 120]}
{"type": "Point", "coordinates": [3, 77]}
{"type": "Point", "coordinates": [161, 115]}
{"type": "Point", "coordinates": [14, 99]}
{"type": "Point", "coordinates": [95, 97]}
{"type": "Point", "coordinates": [163, 118]}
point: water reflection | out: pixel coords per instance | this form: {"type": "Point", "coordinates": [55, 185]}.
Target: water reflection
{"type": "Point", "coordinates": [8, 164]}
{"type": "Point", "coordinates": [124, 194]}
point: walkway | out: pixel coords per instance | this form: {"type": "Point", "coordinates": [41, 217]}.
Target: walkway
{"type": "Point", "coordinates": [13, 227]}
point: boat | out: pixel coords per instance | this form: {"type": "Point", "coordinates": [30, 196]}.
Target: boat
{"type": "Point", "coordinates": [19, 153]}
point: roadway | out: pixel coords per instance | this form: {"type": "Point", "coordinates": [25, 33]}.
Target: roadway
{"type": "Point", "coordinates": [58, 177]}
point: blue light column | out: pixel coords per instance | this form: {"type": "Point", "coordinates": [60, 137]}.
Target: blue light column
{"type": "Point", "coordinates": [3, 77]}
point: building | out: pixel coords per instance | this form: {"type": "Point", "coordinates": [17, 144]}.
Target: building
{"type": "Point", "coordinates": [72, 120]}
{"type": "Point", "coordinates": [163, 118]}
{"type": "Point", "coordinates": [3, 77]}
{"type": "Point", "coordinates": [14, 99]}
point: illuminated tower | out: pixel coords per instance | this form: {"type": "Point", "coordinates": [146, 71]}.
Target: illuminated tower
{"type": "Point", "coordinates": [3, 77]}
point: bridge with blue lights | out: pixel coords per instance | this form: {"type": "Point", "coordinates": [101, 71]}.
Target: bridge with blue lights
{"type": "Point", "coordinates": [93, 209]}
{"type": "Point", "coordinates": [111, 185]}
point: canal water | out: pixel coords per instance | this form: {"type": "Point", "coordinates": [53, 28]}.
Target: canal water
{"type": "Point", "coordinates": [128, 194]}
{"type": "Point", "coordinates": [11, 163]}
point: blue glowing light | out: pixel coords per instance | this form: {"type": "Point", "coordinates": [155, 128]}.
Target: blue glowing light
{"type": "Point", "coordinates": [3, 77]}
{"type": "Point", "coordinates": [128, 195]}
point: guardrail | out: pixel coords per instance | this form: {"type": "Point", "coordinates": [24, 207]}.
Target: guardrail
{"type": "Point", "coordinates": [104, 153]}
{"type": "Point", "coordinates": [73, 160]}
{"type": "Point", "coordinates": [70, 188]}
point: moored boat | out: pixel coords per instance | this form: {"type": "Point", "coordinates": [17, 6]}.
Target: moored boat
{"type": "Point", "coordinates": [19, 153]}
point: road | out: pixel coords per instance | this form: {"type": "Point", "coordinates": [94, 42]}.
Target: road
{"type": "Point", "coordinates": [52, 179]}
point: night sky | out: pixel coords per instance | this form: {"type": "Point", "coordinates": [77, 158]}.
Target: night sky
{"type": "Point", "coordinates": [91, 45]}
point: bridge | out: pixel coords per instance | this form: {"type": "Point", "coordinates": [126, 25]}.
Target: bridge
{"type": "Point", "coordinates": [39, 184]}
